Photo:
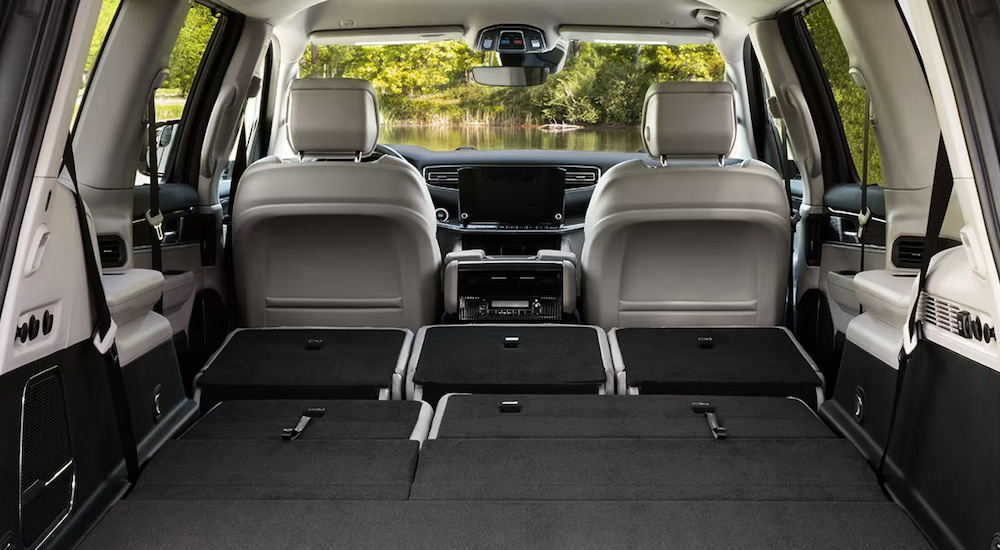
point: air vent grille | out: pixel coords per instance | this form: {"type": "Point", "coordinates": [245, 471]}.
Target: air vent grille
{"type": "Point", "coordinates": [440, 176]}
{"type": "Point", "coordinates": [908, 252]}
{"type": "Point", "coordinates": [581, 176]}
{"type": "Point", "coordinates": [576, 176]}
{"type": "Point", "coordinates": [112, 249]}
{"type": "Point", "coordinates": [940, 313]}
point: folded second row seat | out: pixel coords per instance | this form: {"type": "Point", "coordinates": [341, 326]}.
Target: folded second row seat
{"type": "Point", "coordinates": [378, 363]}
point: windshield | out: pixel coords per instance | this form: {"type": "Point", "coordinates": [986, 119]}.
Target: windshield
{"type": "Point", "coordinates": [427, 96]}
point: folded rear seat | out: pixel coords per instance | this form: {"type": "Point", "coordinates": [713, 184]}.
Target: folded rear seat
{"type": "Point", "coordinates": [357, 450]}
{"type": "Point", "coordinates": [763, 361]}
{"type": "Point", "coordinates": [655, 449]}
{"type": "Point", "coordinates": [463, 416]}
{"type": "Point", "coordinates": [306, 363]}
{"type": "Point", "coordinates": [515, 358]}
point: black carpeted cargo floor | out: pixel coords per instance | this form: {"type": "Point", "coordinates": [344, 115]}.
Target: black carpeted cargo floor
{"type": "Point", "coordinates": [410, 525]}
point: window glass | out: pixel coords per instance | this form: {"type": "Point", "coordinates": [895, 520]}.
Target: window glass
{"type": "Point", "coordinates": [172, 95]}
{"type": "Point", "coordinates": [849, 97]}
{"type": "Point", "coordinates": [108, 10]}
{"type": "Point", "coordinates": [427, 96]}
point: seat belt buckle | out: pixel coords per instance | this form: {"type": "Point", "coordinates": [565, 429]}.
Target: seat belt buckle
{"type": "Point", "coordinates": [863, 218]}
{"type": "Point", "coordinates": [104, 343]}
{"type": "Point", "coordinates": [156, 222]}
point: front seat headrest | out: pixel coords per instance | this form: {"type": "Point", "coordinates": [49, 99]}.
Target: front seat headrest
{"type": "Point", "coordinates": [332, 117]}
{"type": "Point", "coordinates": [689, 119]}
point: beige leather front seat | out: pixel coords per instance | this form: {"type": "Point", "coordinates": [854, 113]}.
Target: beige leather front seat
{"type": "Point", "coordinates": [328, 239]}
{"type": "Point", "coordinates": [692, 242]}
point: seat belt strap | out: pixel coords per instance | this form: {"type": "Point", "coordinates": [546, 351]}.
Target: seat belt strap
{"type": "Point", "coordinates": [790, 290]}
{"type": "Point", "coordinates": [154, 216]}
{"type": "Point", "coordinates": [940, 197]}
{"type": "Point", "coordinates": [865, 213]}
{"type": "Point", "coordinates": [105, 330]}
{"type": "Point", "coordinates": [239, 167]}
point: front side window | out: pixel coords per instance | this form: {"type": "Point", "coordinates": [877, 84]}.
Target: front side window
{"type": "Point", "coordinates": [185, 58]}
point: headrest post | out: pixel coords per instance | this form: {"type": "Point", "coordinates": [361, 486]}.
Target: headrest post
{"type": "Point", "coordinates": [663, 160]}
{"type": "Point", "coordinates": [357, 157]}
{"type": "Point", "coordinates": [722, 160]}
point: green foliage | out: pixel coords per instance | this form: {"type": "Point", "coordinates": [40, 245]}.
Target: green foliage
{"type": "Point", "coordinates": [190, 47]}
{"type": "Point", "coordinates": [184, 58]}
{"type": "Point", "coordinates": [849, 97]}
{"type": "Point", "coordinates": [108, 10]}
{"type": "Point", "coordinates": [430, 83]}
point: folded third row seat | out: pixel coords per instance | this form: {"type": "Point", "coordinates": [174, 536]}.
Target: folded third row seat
{"type": "Point", "coordinates": [268, 450]}
{"type": "Point", "coordinates": [531, 447]}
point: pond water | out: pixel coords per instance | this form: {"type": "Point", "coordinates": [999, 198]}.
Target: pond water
{"type": "Point", "coordinates": [447, 138]}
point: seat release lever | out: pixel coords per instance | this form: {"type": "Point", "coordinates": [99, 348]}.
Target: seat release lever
{"type": "Point", "coordinates": [289, 434]}
{"type": "Point", "coordinates": [718, 431]}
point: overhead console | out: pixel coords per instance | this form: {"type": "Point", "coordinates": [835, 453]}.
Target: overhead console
{"type": "Point", "coordinates": [512, 39]}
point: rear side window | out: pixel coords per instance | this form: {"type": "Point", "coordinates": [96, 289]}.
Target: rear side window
{"type": "Point", "coordinates": [849, 97]}
{"type": "Point", "coordinates": [109, 8]}
{"type": "Point", "coordinates": [171, 98]}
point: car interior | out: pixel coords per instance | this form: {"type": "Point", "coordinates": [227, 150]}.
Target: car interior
{"type": "Point", "coordinates": [527, 274]}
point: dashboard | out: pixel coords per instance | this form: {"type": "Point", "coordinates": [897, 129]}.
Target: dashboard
{"type": "Point", "coordinates": [582, 170]}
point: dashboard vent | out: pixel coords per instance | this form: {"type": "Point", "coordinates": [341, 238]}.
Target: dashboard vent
{"type": "Point", "coordinates": [581, 176]}
{"type": "Point", "coordinates": [441, 176]}
{"type": "Point", "coordinates": [940, 313]}
{"type": "Point", "coordinates": [576, 176]}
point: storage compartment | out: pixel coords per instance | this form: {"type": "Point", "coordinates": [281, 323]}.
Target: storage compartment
{"type": "Point", "coordinates": [307, 363]}
{"type": "Point", "coordinates": [763, 361]}
{"type": "Point", "coordinates": [508, 359]}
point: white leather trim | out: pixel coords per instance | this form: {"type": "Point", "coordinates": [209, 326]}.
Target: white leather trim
{"type": "Point", "coordinates": [423, 425]}
{"type": "Point", "coordinates": [885, 295]}
{"type": "Point", "coordinates": [132, 293]}
{"type": "Point", "coordinates": [141, 336]}
{"type": "Point", "coordinates": [877, 338]}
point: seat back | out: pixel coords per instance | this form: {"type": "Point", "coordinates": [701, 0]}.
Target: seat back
{"type": "Point", "coordinates": [692, 242]}
{"type": "Point", "coordinates": [328, 240]}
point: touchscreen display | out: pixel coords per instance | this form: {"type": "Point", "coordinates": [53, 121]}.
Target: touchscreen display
{"type": "Point", "coordinates": [525, 195]}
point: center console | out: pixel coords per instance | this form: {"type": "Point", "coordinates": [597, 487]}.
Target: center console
{"type": "Point", "coordinates": [539, 288]}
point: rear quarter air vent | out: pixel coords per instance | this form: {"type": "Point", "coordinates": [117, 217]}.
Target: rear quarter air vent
{"type": "Point", "coordinates": [908, 251]}
{"type": "Point", "coordinates": [112, 250]}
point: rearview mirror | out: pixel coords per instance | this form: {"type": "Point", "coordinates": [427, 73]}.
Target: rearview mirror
{"type": "Point", "coordinates": [510, 76]}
